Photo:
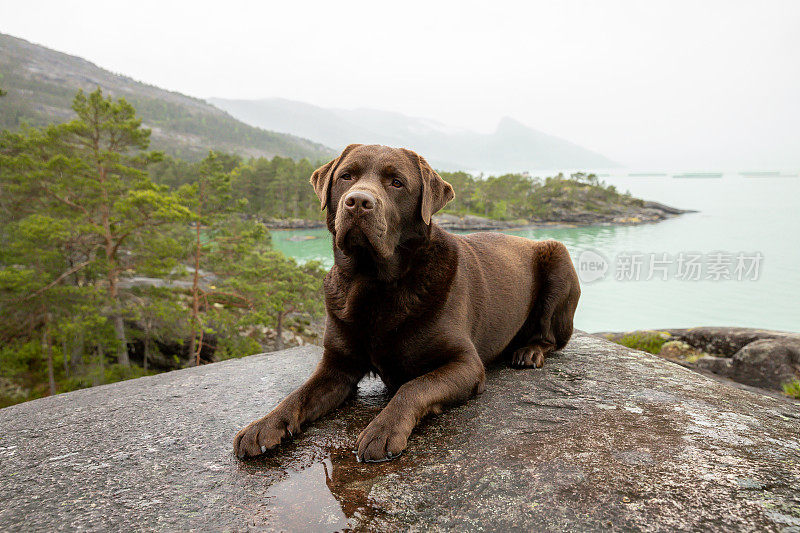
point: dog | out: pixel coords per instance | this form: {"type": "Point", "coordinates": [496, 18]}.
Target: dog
{"type": "Point", "coordinates": [424, 309]}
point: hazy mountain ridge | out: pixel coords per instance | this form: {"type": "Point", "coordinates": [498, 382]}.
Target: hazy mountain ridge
{"type": "Point", "coordinates": [41, 83]}
{"type": "Point", "coordinates": [512, 147]}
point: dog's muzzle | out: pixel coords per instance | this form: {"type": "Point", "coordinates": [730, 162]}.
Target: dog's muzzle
{"type": "Point", "coordinates": [358, 203]}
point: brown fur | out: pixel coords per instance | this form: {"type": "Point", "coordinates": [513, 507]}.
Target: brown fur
{"type": "Point", "coordinates": [424, 309]}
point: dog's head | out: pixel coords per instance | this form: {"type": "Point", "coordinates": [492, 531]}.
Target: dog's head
{"type": "Point", "coordinates": [379, 198]}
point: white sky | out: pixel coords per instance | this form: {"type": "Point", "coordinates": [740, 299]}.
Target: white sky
{"type": "Point", "coordinates": [652, 84]}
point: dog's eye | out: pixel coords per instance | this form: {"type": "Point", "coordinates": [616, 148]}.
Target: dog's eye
{"type": "Point", "coordinates": [345, 176]}
{"type": "Point", "coordinates": [397, 183]}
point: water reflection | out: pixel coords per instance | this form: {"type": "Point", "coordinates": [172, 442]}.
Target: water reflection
{"type": "Point", "coordinates": [303, 501]}
{"type": "Point", "coordinates": [331, 494]}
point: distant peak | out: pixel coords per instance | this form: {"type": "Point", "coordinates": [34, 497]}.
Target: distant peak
{"type": "Point", "coordinates": [510, 123]}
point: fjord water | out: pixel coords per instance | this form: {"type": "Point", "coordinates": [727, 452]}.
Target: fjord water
{"type": "Point", "coordinates": [736, 215]}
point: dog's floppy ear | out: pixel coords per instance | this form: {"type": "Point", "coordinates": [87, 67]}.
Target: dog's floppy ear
{"type": "Point", "coordinates": [321, 178]}
{"type": "Point", "coordinates": [435, 191]}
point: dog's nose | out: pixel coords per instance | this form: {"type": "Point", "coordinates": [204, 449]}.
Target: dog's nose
{"type": "Point", "coordinates": [359, 201]}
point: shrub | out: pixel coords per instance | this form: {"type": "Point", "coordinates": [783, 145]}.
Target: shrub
{"type": "Point", "coordinates": [792, 388]}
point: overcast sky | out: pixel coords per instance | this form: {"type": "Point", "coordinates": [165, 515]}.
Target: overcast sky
{"type": "Point", "coordinates": [651, 84]}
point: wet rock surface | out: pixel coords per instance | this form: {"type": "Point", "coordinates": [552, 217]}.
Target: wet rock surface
{"type": "Point", "coordinates": [601, 438]}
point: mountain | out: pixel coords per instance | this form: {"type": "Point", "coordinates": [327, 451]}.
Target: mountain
{"type": "Point", "coordinates": [512, 147]}
{"type": "Point", "coordinates": [41, 84]}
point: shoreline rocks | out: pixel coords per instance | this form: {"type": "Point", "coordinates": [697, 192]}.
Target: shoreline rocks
{"type": "Point", "coordinates": [475, 223]}
{"type": "Point", "coordinates": [756, 357]}
{"type": "Point", "coordinates": [292, 223]}
{"type": "Point", "coordinates": [648, 212]}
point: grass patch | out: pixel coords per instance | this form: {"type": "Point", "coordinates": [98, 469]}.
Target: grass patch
{"type": "Point", "coordinates": [792, 388]}
{"type": "Point", "coordinates": [646, 341]}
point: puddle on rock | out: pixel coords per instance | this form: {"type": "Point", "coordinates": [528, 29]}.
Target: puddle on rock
{"type": "Point", "coordinates": [329, 495]}
{"type": "Point", "coordinates": [303, 502]}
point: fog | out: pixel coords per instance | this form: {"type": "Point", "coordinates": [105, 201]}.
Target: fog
{"type": "Point", "coordinates": [653, 85]}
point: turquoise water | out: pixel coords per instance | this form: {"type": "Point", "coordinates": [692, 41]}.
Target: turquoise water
{"type": "Point", "coordinates": [738, 216]}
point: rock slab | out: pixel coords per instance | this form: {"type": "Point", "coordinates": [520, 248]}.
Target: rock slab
{"type": "Point", "coordinates": [601, 438]}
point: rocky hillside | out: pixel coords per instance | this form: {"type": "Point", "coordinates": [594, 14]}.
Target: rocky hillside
{"type": "Point", "coordinates": [40, 84]}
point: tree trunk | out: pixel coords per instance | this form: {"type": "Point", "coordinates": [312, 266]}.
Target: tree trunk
{"type": "Point", "coordinates": [146, 346]}
{"type": "Point", "coordinates": [199, 347]}
{"type": "Point", "coordinates": [119, 331]}
{"type": "Point", "coordinates": [116, 316]}
{"type": "Point", "coordinates": [77, 352]}
{"type": "Point", "coordinates": [113, 281]}
{"type": "Point", "coordinates": [192, 343]}
{"type": "Point", "coordinates": [279, 332]}
{"type": "Point", "coordinates": [51, 378]}
{"type": "Point", "coordinates": [194, 349]}
{"type": "Point", "coordinates": [47, 350]}
{"type": "Point", "coordinates": [101, 355]}
{"type": "Point", "coordinates": [65, 355]}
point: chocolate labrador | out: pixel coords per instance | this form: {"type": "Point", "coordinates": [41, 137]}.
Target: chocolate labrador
{"type": "Point", "coordinates": [422, 308]}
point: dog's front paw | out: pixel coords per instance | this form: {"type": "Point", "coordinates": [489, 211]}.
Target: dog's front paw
{"type": "Point", "coordinates": [528, 357]}
{"type": "Point", "coordinates": [382, 440]}
{"type": "Point", "coordinates": [262, 435]}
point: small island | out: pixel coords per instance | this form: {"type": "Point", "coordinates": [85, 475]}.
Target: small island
{"type": "Point", "coordinates": [519, 200]}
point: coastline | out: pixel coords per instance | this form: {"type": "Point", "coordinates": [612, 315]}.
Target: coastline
{"type": "Point", "coordinates": [647, 213]}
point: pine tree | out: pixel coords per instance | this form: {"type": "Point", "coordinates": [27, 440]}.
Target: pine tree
{"type": "Point", "coordinates": [160, 313]}
{"type": "Point", "coordinates": [268, 285]}
{"type": "Point", "coordinates": [33, 296]}
{"type": "Point", "coordinates": [91, 171]}
{"type": "Point", "coordinates": [209, 198]}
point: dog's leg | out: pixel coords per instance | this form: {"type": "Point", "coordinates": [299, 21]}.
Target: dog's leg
{"type": "Point", "coordinates": [549, 328]}
{"type": "Point", "coordinates": [332, 382]}
{"type": "Point", "coordinates": [387, 435]}
{"type": "Point", "coordinates": [549, 325]}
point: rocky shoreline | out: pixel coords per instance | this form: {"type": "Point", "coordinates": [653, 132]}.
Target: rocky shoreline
{"type": "Point", "coordinates": [292, 223]}
{"type": "Point", "coordinates": [760, 358]}
{"type": "Point", "coordinates": [648, 212]}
